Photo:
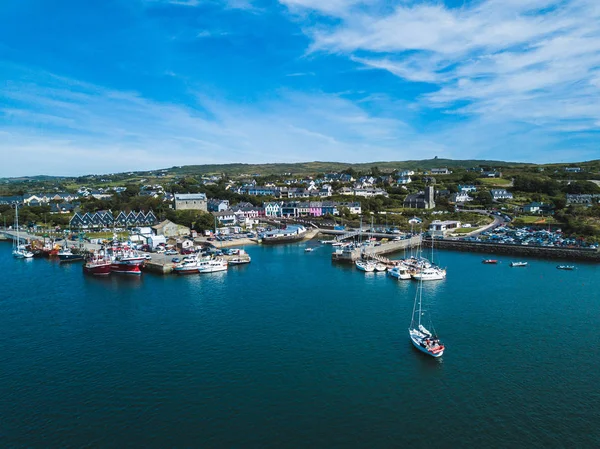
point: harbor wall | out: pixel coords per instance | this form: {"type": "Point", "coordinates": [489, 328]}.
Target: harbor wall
{"type": "Point", "coordinates": [590, 255]}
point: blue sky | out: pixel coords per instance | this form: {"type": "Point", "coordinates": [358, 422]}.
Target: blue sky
{"type": "Point", "coordinates": [116, 85]}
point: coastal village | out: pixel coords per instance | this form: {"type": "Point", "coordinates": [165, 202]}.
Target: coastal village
{"type": "Point", "coordinates": [368, 214]}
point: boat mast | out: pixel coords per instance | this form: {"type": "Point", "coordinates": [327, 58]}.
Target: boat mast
{"type": "Point", "coordinates": [17, 224]}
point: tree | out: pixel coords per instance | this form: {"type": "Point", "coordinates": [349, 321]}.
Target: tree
{"type": "Point", "coordinates": [484, 198]}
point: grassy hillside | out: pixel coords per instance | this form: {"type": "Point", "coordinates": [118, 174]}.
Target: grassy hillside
{"type": "Point", "coordinates": [324, 167]}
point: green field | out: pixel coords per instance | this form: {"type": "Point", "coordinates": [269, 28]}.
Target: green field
{"type": "Point", "coordinates": [533, 219]}
{"type": "Point", "coordinates": [492, 182]}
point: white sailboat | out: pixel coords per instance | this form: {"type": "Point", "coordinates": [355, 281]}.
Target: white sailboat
{"type": "Point", "coordinates": [19, 251]}
{"type": "Point", "coordinates": [423, 339]}
{"type": "Point", "coordinates": [365, 266]}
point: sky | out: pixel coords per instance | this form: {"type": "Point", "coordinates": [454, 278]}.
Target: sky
{"type": "Point", "coordinates": [104, 86]}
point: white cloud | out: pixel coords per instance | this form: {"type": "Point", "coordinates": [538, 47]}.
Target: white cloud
{"type": "Point", "coordinates": [535, 61]}
{"type": "Point", "coordinates": [61, 126]}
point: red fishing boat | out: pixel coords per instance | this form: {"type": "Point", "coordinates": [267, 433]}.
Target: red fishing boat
{"type": "Point", "coordinates": [126, 261]}
{"type": "Point", "coordinates": [489, 261]}
{"type": "Point", "coordinates": [97, 265]}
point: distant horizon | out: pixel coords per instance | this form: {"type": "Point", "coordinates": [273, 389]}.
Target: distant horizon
{"type": "Point", "coordinates": [349, 164]}
{"type": "Point", "coordinates": [129, 85]}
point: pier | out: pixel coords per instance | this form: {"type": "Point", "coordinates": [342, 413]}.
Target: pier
{"type": "Point", "coordinates": [375, 252]}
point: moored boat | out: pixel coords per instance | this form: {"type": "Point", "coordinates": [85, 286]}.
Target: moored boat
{"type": "Point", "coordinates": [518, 264]}
{"type": "Point", "coordinates": [189, 265]}
{"type": "Point", "coordinates": [365, 266]}
{"type": "Point", "coordinates": [565, 267]}
{"type": "Point", "coordinates": [212, 265]}
{"type": "Point", "coordinates": [422, 338]}
{"type": "Point", "coordinates": [380, 267]}
{"type": "Point", "coordinates": [97, 265]}
{"type": "Point", "coordinates": [126, 261]}
{"type": "Point", "coordinates": [489, 261]}
{"type": "Point", "coordinates": [66, 256]}
{"type": "Point", "coordinates": [399, 272]}
{"type": "Point", "coordinates": [429, 274]}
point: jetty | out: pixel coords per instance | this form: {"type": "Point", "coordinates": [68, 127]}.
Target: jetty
{"type": "Point", "coordinates": [375, 252]}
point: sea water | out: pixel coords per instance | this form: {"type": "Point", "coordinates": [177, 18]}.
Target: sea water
{"type": "Point", "coordinates": [294, 351]}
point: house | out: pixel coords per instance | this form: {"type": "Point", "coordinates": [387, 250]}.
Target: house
{"type": "Point", "coordinates": [11, 200]}
{"type": "Point", "coordinates": [573, 169]}
{"type": "Point", "coordinates": [191, 201]}
{"type": "Point", "coordinates": [289, 209]}
{"type": "Point", "coordinates": [460, 197]}
{"type": "Point", "coordinates": [537, 208]}
{"type": "Point", "coordinates": [585, 199]}
{"type": "Point", "coordinates": [415, 220]}
{"type": "Point", "coordinates": [325, 191]}
{"type": "Point", "coordinates": [272, 209]}
{"type": "Point", "coordinates": [403, 180]}
{"type": "Point", "coordinates": [215, 205]}
{"type": "Point", "coordinates": [500, 194]}
{"type": "Point", "coordinates": [466, 188]}
{"type": "Point", "coordinates": [346, 191]}
{"type": "Point", "coordinates": [354, 207]}
{"type": "Point", "coordinates": [491, 174]}
{"type": "Point", "coordinates": [439, 228]}
{"type": "Point", "coordinates": [170, 229]}
{"type": "Point", "coordinates": [63, 208]}
{"type": "Point", "coordinates": [440, 171]}
{"type": "Point", "coordinates": [226, 217]}
{"type": "Point", "coordinates": [369, 192]}
{"type": "Point", "coordinates": [185, 244]}
{"type": "Point", "coordinates": [406, 173]}
{"type": "Point", "coordinates": [421, 200]}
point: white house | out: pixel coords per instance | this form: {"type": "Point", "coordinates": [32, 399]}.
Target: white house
{"type": "Point", "coordinates": [467, 188]}
{"type": "Point", "coordinates": [440, 171]}
{"type": "Point", "coordinates": [501, 194]}
{"type": "Point", "coordinates": [273, 209]}
{"type": "Point", "coordinates": [402, 180]}
{"type": "Point", "coordinates": [460, 197]}
{"type": "Point", "coordinates": [439, 228]}
{"type": "Point", "coordinates": [226, 217]}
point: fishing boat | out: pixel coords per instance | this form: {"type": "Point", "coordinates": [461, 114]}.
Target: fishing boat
{"type": "Point", "coordinates": [308, 250]}
{"type": "Point", "coordinates": [423, 339]}
{"type": "Point", "coordinates": [19, 251]}
{"type": "Point", "coordinates": [365, 266]}
{"type": "Point", "coordinates": [518, 264]}
{"type": "Point", "coordinates": [65, 255]}
{"type": "Point", "coordinates": [565, 267]}
{"type": "Point", "coordinates": [97, 265]}
{"type": "Point", "coordinates": [212, 265]}
{"type": "Point", "coordinates": [399, 272]}
{"type": "Point", "coordinates": [489, 261]}
{"type": "Point", "coordinates": [126, 261]}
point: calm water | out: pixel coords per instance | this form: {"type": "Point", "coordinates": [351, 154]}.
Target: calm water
{"type": "Point", "coordinates": [292, 351]}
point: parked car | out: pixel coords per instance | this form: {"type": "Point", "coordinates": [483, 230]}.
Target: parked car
{"type": "Point", "coordinates": [170, 252]}
{"type": "Point", "coordinates": [148, 257]}
{"type": "Point", "coordinates": [175, 260]}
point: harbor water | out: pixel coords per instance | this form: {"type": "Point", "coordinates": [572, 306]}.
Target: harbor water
{"type": "Point", "coordinates": [294, 351]}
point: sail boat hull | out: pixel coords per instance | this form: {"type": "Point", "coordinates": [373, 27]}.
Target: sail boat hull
{"type": "Point", "coordinates": [418, 343]}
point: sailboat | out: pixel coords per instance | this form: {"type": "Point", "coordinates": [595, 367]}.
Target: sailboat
{"type": "Point", "coordinates": [422, 338]}
{"type": "Point", "coordinates": [19, 251]}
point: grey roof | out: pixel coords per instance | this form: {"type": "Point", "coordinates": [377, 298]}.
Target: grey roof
{"type": "Point", "coordinates": [190, 196]}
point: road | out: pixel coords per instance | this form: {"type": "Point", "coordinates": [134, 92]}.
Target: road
{"type": "Point", "coordinates": [498, 221]}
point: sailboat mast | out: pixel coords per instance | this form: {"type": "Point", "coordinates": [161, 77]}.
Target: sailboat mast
{"type": "Point", "coordinates": [420, 298]}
